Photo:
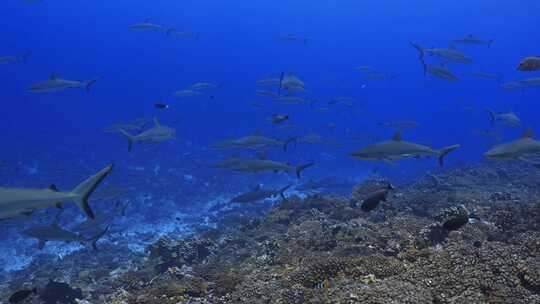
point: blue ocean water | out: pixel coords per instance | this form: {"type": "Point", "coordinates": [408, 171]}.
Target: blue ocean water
{"type": "Point", "coordinates": [57, 137]}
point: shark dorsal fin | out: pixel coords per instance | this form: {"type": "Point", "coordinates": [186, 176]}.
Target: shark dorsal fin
{"type": "Point", "coordinates": [257, 132]}
{"type": "Point", "coordinates": [53, 76]}
{"type": "Point", "coordinates": [256, 187]}
{"type": "Point", "coordinates": [529, 133]}
{"type": "Point", "coordinates": [53, 187]}
{"type": "Point", "coordinates": [452, 47]}
{"type": "Point", "coordinates": [397, 136]}
{"type": "Point", "coordinates": [156, 122]}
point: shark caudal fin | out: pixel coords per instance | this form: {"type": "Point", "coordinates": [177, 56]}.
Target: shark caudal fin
{"type": "Point", "coordinates": [129, 137]}
{"type": "Point", "coordinates": [419, 49]}
{"type": "Point", "coordinates": [293, 139]}
{"type": "Point", "coordinates": [301, 168]}
{"type": "Point", "coordinates": [444, 151]}
{"type": "Point", "coordinates": [24, 57]}
{"type": "Point", "coordinates": [170, 31]}
{"type": "Point", "coordinates": [492, 115]}
{"type": "Point", "coordinates": [86, 188]}
{"type": "Point", "coordinates": [93, 240]}
{"type": "Point", "coordinates": [90, 83]}
{"type": "Point", "coordinates": [282, 191]}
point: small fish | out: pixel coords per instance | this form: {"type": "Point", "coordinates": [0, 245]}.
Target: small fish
{"type": "Point", "coordinates": [372, 200]}
{"type": "Point", "coordinates": [529, 64]}
{"type": "Point", "coordinates": [21, 295]}
{"type": "Point", "coordinates": [159, 105]}
{"type": "Point", "coordinates": [279, 118]}
{"type": "Point", "coordinates": [470, 39]}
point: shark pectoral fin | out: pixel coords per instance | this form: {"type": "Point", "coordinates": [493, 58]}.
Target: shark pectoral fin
{"type": "Point", "coordinates": [28, 213]}
{"type": "Point", "coordinates": [41, 244]}
{"type": "Point", "coordinates": [93, 240]}
{"type": "Point", "coordinates": [388, 161]}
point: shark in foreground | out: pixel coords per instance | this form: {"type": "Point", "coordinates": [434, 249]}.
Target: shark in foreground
{"type": "Point", "coordinates": [398, 149]}
{"type": "Point", "coordinates": [24, 201]}
{"type": "Point", "coordinates": [158, 133]}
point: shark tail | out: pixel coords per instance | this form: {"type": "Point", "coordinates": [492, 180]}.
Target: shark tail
{"type": "Point", "coordinates": [282, 191]}
{"type": "Point", "coordinates": [293, 139]}
{"type": "Point", "coordinates": [90, 83]}
{"type": "Point", "coordinates": [490, 42]}
{"type": "Point", "coordinates": [87, 187]}
{"type": "Point", "coordinates": [419, 49]}
{"type": "Point", "coordinates": [93, 240]}
{"type": "Point", "coordinates": [129, 137]}
{"type": "Point", "coordinates": [280, 82]}
{"type": "Point", "coordinates": [24, 57]}
{"type": "Point", "coordinates": [445, 151]}
{"type": "Point", "coordinates": [301, 168]}
{"type": "Point", "coordinates": [492, 115]}
{"type": "Point", "coordinates": [170, 31]}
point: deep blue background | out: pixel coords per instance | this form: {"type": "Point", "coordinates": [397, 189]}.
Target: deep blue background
{"type": "Point", "coordinates": [239, 44]}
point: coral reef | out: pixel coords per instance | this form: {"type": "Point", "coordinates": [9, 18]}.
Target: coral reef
{"type": "Point", "coordinates": [468, 235]}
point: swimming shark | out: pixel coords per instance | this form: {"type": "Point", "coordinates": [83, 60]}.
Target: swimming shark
{"type": "Point", "coordinates": [11, 59]}
{"type": "Point", "coordinates": [19, 201]}
{"type": "Point", "coordinates": [508, 118]}
{"type": "Point", "coordinates": [471, 39]}
{"type": "Point", "coordinates": [158, 133]}
{"type": "Point", "coordinates": [54, 233]}
{"type": "Point", "coordinates": [450, 54]}
{"type": "Point", "coordinates": [398, 149]}
{"type": "Point", "coordinates": [146, 25]}
{"type": "Point", "coordinates": [254, 142]}
{"type": "Point", "coordinates": [258, 194]}
{"type": "Point", "coordinates": [518, 149]}
{"type": "Point", "coordinates": [261, 165]}
{"type": "Point", "coordinates": [55, 84]}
